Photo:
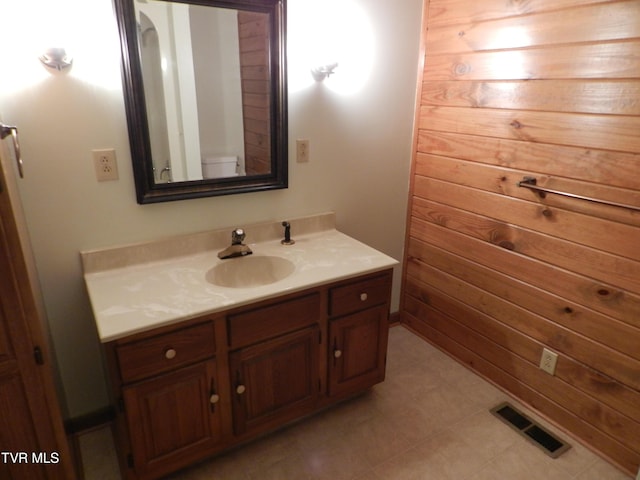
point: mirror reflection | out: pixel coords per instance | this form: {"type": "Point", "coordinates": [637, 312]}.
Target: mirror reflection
{"type": "Point", "coordinates": [205, 92]}
{"type": "Point", "coordinates": [193, 62]}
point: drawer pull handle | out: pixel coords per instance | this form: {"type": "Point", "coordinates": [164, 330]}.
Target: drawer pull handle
{"type": "Point", "coordinates": [337, 353]}
{"type": "Point", "coordinates": [240, 389]}
{"type": "Point", "coordinates": [214, 398]}
{"type": "Point", "coordinates": [363, 297]}
{"type": "Point", "coordinates": [170, 354]}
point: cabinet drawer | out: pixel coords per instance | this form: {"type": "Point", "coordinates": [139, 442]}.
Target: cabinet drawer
{"type": "Point", "coordinates": [359, 295]}
{"type": "Point", "coordinates": [165, 352]}
{"type": "Point", "coordinates": [267, 322]}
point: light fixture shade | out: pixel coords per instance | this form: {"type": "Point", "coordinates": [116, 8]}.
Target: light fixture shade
{"type": "Point", "coordinates": [56, 58]}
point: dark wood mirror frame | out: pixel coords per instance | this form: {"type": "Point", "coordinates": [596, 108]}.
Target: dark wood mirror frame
{"type": "Point", "coordinates": [147, 190]}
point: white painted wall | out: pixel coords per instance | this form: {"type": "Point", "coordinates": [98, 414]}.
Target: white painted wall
{"type": "Point", "coordinates": [360, 146]}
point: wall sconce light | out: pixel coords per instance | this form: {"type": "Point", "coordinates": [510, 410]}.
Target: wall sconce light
{"type": "Point", "coordinates": [56, 59]}
{"type": "Point", "coordinates": [322, 72]}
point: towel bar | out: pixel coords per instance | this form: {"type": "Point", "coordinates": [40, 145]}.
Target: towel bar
{"type": "Point", "coordinates": [530, 183]}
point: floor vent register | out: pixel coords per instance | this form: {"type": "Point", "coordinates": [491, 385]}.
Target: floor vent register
{"type": "Point", "coordinates": [539, 436]}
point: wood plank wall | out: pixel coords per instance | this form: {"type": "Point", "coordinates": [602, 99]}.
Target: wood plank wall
{"type": "Point", "coordinates": [253, 30]}
{"type": "Point", "coordinates": [493, 273]}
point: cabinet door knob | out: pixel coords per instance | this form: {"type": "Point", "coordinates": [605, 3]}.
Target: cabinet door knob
{"type": "Point", "coordinates": [337, 353]}
{"type": "Point", "coordinates": [214, 398]}
{"type": "Point", "coordinates": [169, 353]}
{"type": "Point", "coordinates": [363, 297]}
{"type": "Point", "coordinates": [240, 389]}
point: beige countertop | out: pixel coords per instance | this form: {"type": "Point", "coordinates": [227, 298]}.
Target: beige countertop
{"type": "Point", "coordinates": [129, 297]}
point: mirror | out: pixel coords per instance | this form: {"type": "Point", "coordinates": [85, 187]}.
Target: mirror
{"type": "Point", "coordinates": [205, 96]}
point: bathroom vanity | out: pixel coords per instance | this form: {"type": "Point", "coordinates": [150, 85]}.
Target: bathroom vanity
{"type": "Point", "coordinates": [197, 368]}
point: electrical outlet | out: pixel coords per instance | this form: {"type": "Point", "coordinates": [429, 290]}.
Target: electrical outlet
{"type": "Point", "coordinates": [105, 164]}
{"type": "Point", "coordinates": [548, 361]}
{"type": "Point", "coordinates": [302, 151]}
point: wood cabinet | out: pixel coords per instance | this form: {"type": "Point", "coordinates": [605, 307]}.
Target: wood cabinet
{"type": "Point", "coordinates": [193, 389]}
{"type": "Point", "coordinates": [358, 335]}
{"type": "Point", "coordinates": [173, 416]}
{"type": "Point", "coordinates": [169, 397]}
{"type": "Point", "coordinates": [275, 381]}
{"type": "Point", "coordinates": [358, 351]}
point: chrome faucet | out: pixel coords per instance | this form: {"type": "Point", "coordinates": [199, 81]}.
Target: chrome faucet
{"type": "Point", "coordinates": [237, 248]}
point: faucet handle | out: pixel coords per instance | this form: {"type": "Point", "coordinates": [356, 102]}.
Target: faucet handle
{"type": "Point", "coordinates": [237, 236]}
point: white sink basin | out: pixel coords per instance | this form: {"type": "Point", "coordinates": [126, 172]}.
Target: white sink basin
{"type": "Point", "coordinates": [250, 271]}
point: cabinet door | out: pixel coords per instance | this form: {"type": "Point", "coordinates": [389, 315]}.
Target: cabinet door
{"type": "Point", "coordinates": [275, 381]}
{"type": "Point", "coordinates": [173, 419]}
{"type": "Point", "coordinates": [358, 345]}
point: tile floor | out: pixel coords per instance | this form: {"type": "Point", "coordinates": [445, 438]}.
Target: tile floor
{"type": "Point", "coordinates": [429, 420]}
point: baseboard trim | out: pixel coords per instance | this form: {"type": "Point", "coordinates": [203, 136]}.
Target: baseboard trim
{"type": "Point", "coordinates": [394, 318]}
{"type": "Point", "coordinates": [89, 421]}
